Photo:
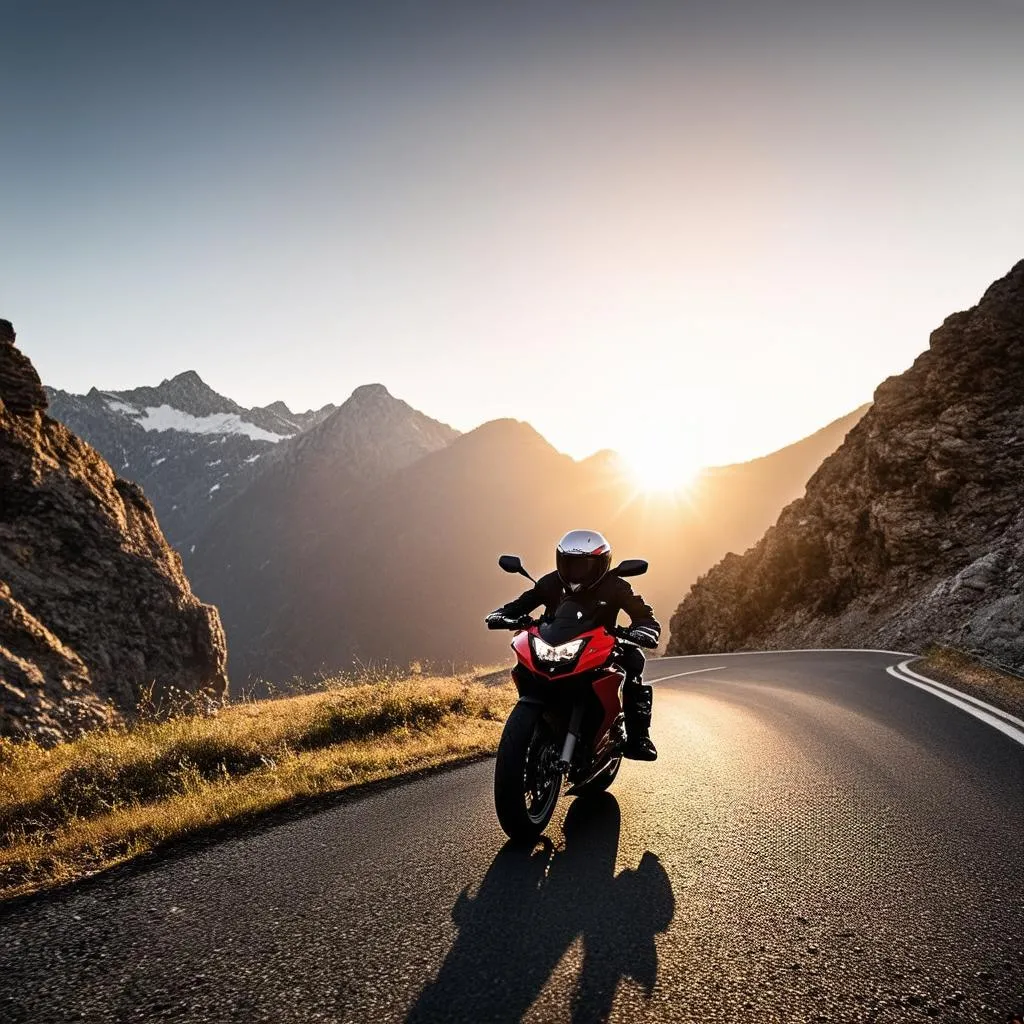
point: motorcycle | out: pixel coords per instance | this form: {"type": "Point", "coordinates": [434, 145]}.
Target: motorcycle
{"type": "Point", "coordinates": [568, 724]}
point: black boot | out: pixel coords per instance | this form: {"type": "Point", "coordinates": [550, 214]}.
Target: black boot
{"type": "Point", "coordinates": [639, 701]}
{"type": "Point", "coordinates": [640, 747]}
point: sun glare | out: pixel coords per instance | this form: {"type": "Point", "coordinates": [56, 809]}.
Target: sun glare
{"type": "Point", "coordinates": [657, 471]}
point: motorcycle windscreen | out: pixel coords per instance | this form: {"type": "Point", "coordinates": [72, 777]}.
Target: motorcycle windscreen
{"type": "Point", "coordinates": [571, 618]}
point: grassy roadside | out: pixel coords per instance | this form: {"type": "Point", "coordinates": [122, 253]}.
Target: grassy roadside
{"type": "Point", "coordinates": [987, 683]}
{"type": "Point", "coordinates": [109, 796]}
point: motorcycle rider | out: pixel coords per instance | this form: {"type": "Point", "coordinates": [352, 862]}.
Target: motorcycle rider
{"type": "Point", "coordinates": [583, 559]}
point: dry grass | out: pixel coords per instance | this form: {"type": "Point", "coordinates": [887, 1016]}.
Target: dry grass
{"type": "Point", "coordinates": [986, 682]}
{"type": "Point", "coordinates": [110, 796]}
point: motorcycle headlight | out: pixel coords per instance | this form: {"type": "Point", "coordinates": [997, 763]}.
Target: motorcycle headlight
{"type": "Point", "coordinates": [555, 655]}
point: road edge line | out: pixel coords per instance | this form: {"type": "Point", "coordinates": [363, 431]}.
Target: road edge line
{"type": "Point", "coordinates": [991, 708]}
{"type": "Point", "coordinates": [793, 650]}
{"type": "Point", "coordinates": [962, 701]}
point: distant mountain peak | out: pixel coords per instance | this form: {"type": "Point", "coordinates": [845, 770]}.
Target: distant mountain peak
{"type": "Point", "coordinates": [506, 430]}
{"type": "Point", "coordinates": [370, 414]}
{"type": "Point", "coordinates": [279, 408]}
{"type": "Point", "coordinates": [190, 447]}
{"type": "Point", "coordinates": [371, 392]}
{"type": "Point", "coordinates": [188, 391]}
{"type": "Point", "coordinates": [190, 377]}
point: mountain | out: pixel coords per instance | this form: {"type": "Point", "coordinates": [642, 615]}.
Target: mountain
{"type": "Point", "coordinates": [94, 606]}
{"type": "Point", "coordinates": [187, 446]}
{"type": "Point", "coordinates": [740, 494]}
{"type": "Point", "coordinates": [912, 531]}
{"type": "Point", "coordinates": [375, 535]}
{"type": "Point", "coordinates": [268, 553]}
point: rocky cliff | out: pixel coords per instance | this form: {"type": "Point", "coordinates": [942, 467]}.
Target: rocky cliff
{"type": "Point", "coordinates": [913, 530]}
{"type": "Point", "coordinates": [94, 606]}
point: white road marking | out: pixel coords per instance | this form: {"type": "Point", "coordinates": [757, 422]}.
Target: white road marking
{"type": "Point", "coordinates": [795, 650]}
{"type": "Point", "coordinates": [692, 672]}
{"type": "Point", "coordinates": [986, 713]}
{"type": "Point", "coordinates": [1006, 723]}
{"type": "Point", "coordinates": [990, 708]}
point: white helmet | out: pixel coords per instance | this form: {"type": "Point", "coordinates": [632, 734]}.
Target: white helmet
{"type": "Point", "coordinates": [583, 558]}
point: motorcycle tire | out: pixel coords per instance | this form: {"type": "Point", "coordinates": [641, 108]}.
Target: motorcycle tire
{"type": "Point", "coordinates": [525, 742]}
{"type": "Point", "coordinates": [600, 782]}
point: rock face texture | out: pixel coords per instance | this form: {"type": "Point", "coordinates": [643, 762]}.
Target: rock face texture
{"type": "Point", "coordinates": [190, 448]}
{"type": "Point", "coordinates": [94, 606]}
{"type": "Point", "coordinates": [19, 383]}
{"type": "Point", "coordinates": [913, 531]}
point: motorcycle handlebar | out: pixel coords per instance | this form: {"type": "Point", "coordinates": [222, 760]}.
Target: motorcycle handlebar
{"type": "Point", "coordinates": [526, 621]}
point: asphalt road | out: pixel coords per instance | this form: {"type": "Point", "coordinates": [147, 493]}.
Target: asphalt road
{"type": "Point", "coordinates": [818, 842]}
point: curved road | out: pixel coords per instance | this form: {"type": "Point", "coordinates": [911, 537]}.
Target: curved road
{"type": "Point", "coordinates": [818, 842]}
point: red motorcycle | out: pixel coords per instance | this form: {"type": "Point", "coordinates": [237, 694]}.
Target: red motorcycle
{"type": "Point", "coordinates": [568, 723]}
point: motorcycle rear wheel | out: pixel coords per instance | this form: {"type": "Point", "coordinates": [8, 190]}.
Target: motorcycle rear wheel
{"type": "Point", "coordinates": [526, 783]}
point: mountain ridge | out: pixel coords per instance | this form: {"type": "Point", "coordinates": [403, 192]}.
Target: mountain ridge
{"type": "Point", "coordinates": [261, 552]}
{"type": "Point", "coordinates": [364, 571]}
{"type": "Point", "coordinates": [301, 541]}
{"type": "Point", "coordinates": [188, 446]}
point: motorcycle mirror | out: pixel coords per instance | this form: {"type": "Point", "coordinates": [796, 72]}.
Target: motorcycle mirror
{"type": "Point", "coordinates": [630, 567]}
{"type": "Point", "coordinates": [512, 563]}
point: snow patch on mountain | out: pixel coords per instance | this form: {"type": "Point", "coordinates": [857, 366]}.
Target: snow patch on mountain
{"type": "Point", "coordinates": [166, 417]}
{"type": "Point", "coordinates": [178, 439]}
{"type": "Point", "coordinates": [114, 405]}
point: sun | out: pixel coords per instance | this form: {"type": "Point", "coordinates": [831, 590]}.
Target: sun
{"type": "Point", "coordinates": [659, 471]}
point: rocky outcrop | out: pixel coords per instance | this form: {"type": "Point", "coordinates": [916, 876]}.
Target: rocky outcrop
{"type": "Point", "coordinates": [20, 385]}
{"type": "Point", "coordinates": [913, 531]}
{"type": "Point", "coordinates": [45, 689]}
{"type": "Point", "coordinates": [94, 606]}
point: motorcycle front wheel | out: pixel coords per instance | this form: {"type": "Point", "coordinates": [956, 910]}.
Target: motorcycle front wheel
{"type": "Point", "coordinates": [601, 781]}
{"type": "Point", "coordinates": [526, 776]}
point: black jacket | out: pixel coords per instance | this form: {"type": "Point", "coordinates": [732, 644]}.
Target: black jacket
{"type": "Point", "coordinates": [613, 592]}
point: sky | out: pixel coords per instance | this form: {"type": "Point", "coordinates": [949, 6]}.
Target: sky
{"type": "Point", "coordinates": [690, 232]}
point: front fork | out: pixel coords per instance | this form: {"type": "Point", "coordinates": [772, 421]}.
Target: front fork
{"type": "Point", "coordinates": [571, 738]}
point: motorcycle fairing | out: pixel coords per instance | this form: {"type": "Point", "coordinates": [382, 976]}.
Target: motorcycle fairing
{"type": "Point", "coordinates": [608, 689]}
{"type": "Point", "coordinates": [598, 645]}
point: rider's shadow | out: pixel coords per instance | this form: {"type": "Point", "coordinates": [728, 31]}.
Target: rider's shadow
{"type": "Point", "coordinates": [530, 908]}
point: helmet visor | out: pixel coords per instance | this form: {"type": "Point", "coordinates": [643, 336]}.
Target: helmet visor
{"type": "Point", "coordinates": [582, 570]}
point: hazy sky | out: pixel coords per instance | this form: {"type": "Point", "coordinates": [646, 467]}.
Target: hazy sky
{"type": "Point", "coordinates": [707, 227]}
